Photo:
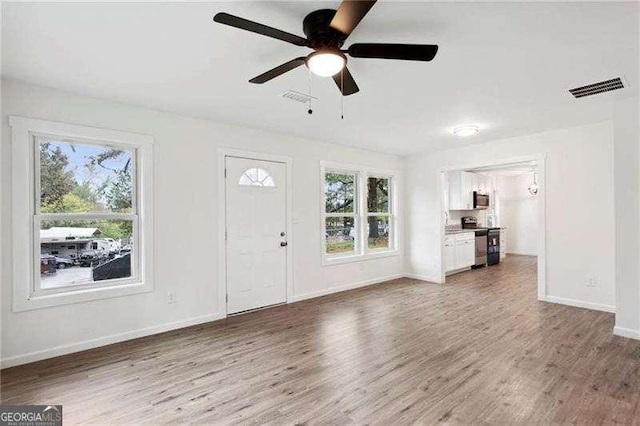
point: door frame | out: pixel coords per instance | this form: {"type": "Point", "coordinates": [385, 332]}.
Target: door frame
{"type": "Point", "coordinates": [223, 153]}
{"type": "Point", "coordinates": [541, 159]}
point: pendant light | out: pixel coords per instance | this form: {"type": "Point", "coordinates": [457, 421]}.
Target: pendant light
{"type": "Point", "coordinates": [533, 187]}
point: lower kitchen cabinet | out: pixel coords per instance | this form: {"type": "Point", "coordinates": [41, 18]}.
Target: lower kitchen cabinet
{"type": "Point", "coordinates": [449, 256]}
{"type": "Point", "coordinates": [459, 251]}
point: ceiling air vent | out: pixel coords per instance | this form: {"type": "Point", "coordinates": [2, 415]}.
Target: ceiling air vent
{"type": "Point", "coordinates": [595, 88]}
{"type": "Point", "coordinates": [298, 96]}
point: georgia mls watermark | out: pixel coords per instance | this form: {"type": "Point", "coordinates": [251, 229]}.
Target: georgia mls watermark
{"type": "Point", "coordinates": [30, 415]}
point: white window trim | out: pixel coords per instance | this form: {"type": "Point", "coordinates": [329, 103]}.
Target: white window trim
{"type": "Point", "coordinates": [362, 251]}
{"type": "Point", "coordinates": [23, 131]}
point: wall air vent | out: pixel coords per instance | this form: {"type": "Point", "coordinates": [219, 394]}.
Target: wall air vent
{"type": "Point", "coordinates": [298, 96]}
{"type": "Point", "coordinates": [595, 88]}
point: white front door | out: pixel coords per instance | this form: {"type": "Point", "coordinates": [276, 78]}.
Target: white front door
{"type": "Point", "coordinates": [256, 200]}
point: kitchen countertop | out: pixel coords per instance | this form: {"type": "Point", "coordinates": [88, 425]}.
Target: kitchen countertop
{"type": "Point", "coordinates": [463, 231]}
{"type": "Point", "coordinates": [458, 231]}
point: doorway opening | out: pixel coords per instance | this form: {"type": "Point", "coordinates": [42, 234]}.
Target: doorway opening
{"type": "Point", "coordinates": [493, 214]}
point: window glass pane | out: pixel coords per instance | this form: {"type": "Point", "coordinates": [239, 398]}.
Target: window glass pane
{"type": "Point", "coordinates": [340, 235]}
{"type": "Point", "coordinates": [101, 250]}
{"type": "Point", "coordinates": [81, 178]}
{"type": "Point", "coordinates": [378, 195]}
{"type": "Point", "coordinates": [378, 228]}
{"type": "Point", "coordinates": [257, 177]}
{"type": "Point", "coordinates": [340, 193]}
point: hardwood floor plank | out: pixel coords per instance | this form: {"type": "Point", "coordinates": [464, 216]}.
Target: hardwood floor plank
{"type": "Point", "coordinates": [480, 349]}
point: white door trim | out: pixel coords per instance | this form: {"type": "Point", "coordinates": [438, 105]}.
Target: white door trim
{"type": "Point", "coordinates": [541, 159]}
{"type": "Point", "coordinates": [222, 220]}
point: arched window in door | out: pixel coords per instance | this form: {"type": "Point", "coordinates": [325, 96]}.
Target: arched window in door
{"type": "Point", "coordinates": [257, 176]}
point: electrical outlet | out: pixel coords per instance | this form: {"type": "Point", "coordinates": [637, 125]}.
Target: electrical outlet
{"type": "Point", "coordinates": [590, 282]}
{"type": "Point", "coordinates": [171, 297]}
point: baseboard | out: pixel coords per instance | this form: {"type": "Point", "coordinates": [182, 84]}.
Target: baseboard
{"type": "Point", "coordinates": [514, 253]}
{"type": "Point", "coordinates": [580, 304]}
{"type": "Point", "coordinates": [107, 340]}
{"type": "Point", "coordinates": [121, 337]}
{"type": "Point", "coordinates": [423, 278]}
{"type": "Point", "coordinates": [626, 332]}
{"type": "Point", "coordinates": [345, 287]}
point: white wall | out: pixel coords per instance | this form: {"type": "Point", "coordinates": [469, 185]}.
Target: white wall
{"type": "Point", "coordinates": [518, 213]}
{"type": "Point", "coordinates": [186, 233]}
{"type": "Point", "coordinates": [627, 208]}
{"type": "Point", "coordinates": [455, 216]}
{"type": "Point", "coordinates": [580, 233]}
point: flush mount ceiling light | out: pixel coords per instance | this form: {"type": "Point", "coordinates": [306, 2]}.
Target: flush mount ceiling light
{"type": "Point", "coordinates": [326, 63]}
{"type": "Point", "coordinates": [464, 131]}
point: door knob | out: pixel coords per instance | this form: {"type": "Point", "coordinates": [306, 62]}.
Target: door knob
{"type": "Point", "coordinates": [283, 243]}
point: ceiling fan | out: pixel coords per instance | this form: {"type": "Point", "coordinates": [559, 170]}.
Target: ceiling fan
{"type": "Point", "coordinates": [326, 31]}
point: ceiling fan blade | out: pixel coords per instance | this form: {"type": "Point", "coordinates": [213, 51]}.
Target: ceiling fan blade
{"type": "Point", "coordinates": [407, 52]}
{"type": "Point", "coordinates": [345, 79]}
{"type": "Point", "coordinates": [349, 15]}
{"type": "Point", "coordinates": [277, 71]}
{"type": "Point", "coordinates": [254, 27]}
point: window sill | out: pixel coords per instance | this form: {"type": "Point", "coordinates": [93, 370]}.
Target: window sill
{"type": "Point", "coordinates": [339, 260]}
{"type": "Point", "coordinates": [78, 296]}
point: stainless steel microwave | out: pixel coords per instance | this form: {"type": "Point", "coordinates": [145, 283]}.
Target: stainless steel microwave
{"type": "Point", "coordinates": [480, 201]}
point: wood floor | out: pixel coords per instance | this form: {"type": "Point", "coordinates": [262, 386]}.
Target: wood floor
{"type": "Point", "coordinates": [479, 349]}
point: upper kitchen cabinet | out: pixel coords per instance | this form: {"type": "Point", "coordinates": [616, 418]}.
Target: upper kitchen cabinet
{"type": "Point", "coordinates": [481, 184]}
{"type": "Point", "coordinates": [484, 184]}
{"type": "Point", "coordinates": [461, 187]}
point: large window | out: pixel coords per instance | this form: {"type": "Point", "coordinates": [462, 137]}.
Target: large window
{"type": "Point", "coordinates": [358, 214]}
{"type": "Point", "coordinates": [90, 224]}
{"type": "Point", "coordinates": [86, 196]}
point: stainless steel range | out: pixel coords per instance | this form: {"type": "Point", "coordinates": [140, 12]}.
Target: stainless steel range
{"type": "Point", "coordinates": [470, 222]}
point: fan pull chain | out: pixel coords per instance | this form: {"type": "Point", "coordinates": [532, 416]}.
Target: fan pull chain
{"type": "Point", "coordinates": [310, 110]}
{"type": "Point", "coordinates": [342, 93]}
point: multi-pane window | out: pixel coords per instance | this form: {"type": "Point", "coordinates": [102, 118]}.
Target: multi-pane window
{"type": "Point", "coordinates": [341, 211]}
{"type": "Point", "coordinates": [379, 217]}
{"type": "Point", "coordinates": [358, 214]}
{"type": "Point", "coordinates": [85, 196]}
{"type": "Point", "coordinates": [82, 213]}
{"type": "Point", "coordinates": [257, 176]}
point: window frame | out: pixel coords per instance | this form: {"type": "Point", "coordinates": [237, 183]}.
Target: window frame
{"type": "Point", "coordinates": [360, 214]}
{"type": "Point", "coordinates": [355, 214]}
{"type": "Point", "coordinates": [26, 215]}
{"type": "Point", "coordinates": [390, 213]}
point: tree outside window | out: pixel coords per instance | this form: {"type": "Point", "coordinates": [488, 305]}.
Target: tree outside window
{"type": "Point", "coordinates": [341, 232]}
{"type": "Point", "coordinates": [378, 213]}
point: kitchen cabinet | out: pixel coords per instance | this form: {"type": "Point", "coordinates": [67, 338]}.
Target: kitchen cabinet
{"type": "Point", "coordinates": [461, 186]}
{"type": "Point", "coordinates": [449, 254]}
{"type": "Point", "coordinates": [459, 251]}
{"type": "Point", "coordinates": [482, 184]}
{"type": "Point", "coordinates": [459, 189]}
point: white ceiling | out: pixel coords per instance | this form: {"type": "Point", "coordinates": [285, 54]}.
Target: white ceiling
{"type": "Point", "coordinates": [503, 66]}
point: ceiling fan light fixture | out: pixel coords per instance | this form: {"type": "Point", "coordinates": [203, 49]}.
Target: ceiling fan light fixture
{"type": "Point", "coordinates": [326, 63]}
{"type": "Point", "coordinates": [464, 131]}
